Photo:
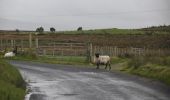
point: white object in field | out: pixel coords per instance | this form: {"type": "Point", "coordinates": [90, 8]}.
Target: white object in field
{"type": "Point", "coordinates": [9, 54]}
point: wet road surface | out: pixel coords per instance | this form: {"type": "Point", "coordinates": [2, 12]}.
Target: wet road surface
{"type": "Point", "coordinates": [65, 82]}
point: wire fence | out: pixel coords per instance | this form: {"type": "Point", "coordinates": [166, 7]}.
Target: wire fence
{"type": "Point", "coordinates": [119, 51]}
{"type": "Point", "coordinates": [54, 47]}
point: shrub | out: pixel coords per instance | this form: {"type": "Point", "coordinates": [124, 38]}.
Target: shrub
{"type": "Point", "coordinates": [136, 62]}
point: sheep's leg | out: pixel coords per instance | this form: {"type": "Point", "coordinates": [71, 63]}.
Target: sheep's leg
{"type": "Point", "coordinates": [106, 66]}
{"type": "Point", "coordinates": [97, 66]}
{"type": "Point", "coordinates": [109, 66]}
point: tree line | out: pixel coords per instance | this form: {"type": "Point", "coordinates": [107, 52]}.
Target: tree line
{"type": "Point", "coordinates": [52, 29]}
{"type": "Point", "coordinates": [41, 29]}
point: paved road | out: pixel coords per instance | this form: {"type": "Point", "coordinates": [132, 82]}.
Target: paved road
{"type": "Point", "coordinates": [63, 82]}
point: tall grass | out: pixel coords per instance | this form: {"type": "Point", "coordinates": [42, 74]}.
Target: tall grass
{"type": "Point", "coordinates": [138, 61]}
{"type": "Point", "coordinates": [12, 86]}
{"type": "Point", "coordinates": [154, 67]}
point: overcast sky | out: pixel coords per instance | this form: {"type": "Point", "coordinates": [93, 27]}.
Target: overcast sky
{"type": "Point", "coordinates": [90, 14]}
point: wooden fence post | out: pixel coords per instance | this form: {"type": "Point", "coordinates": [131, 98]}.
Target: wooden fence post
{"type": "Point", "coordinates": [53, 52]}
{"type": "Point", "coordinates": [159, 52]}
{"type": "Point", "coordinates": [36, 42]}
{"type": "Point", "coordinates": [75, 52]}
{"type": "Point", "coordinates": [131, 51]}
{"type": "Point", "coordinates": [30, 40]}
{"type": "Point", "coordinates": [44, 52]}
{"type": "Point", "coordinates": [71, 46]}
{"type": "Point", "coordinates": [21, 44]}
{"type": "Point", "coordinates": [12, 43]}
{"type": "Point", "coordinates": [91, 51]}
{"type": "Point", "coordinates": [1, 44]}
{"type": "Point", "coordinates": [115, 51]}
{"type": "Point", "coordinates": [54, 49]}
{"type": "Point", "coordinates": [7, 44]}
{"type": "Point", "coordinates": [61, 52]}
{"type": "Point", "coordinates": [94, 51]}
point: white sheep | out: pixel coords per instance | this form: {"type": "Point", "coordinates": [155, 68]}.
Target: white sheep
{"type": "Point", "coordinates": [103, 60]}
{"type": "Point", "coordinates": [12, 53]}
{"type": "Point", "coordinates": [9, 54]}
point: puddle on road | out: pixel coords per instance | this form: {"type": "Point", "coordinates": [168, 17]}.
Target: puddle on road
{"type": "Point", "coordinates": [69, 94]}
{"type": "Point", "coordinates": [37, 97]}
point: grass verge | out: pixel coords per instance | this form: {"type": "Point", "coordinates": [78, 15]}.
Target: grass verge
{"type": "Point", "coordinates": [156, 68]}
{"type": "Point", "coordinates": [69, 60]}
{"type": "Point", "coordinates": [12, 86]}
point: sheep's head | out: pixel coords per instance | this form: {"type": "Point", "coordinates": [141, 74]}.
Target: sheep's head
{"type": "Point", "coordinates": [97, 55]}
{"type": "Point", "coordinates": [15, 50]}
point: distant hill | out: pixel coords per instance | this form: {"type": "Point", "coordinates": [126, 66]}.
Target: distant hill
{"type": "Point", "coordinates": [148, 31]}
{"type": "Point", "coordinates": [162, 28]}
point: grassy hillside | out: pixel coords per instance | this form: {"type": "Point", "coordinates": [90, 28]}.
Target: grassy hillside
{"type": "Point", "coordinates": [162, 28]}
{"type": "Point", "coordinates": [12, 86]}
{"type": "Point", "coordinates": [112, 31]}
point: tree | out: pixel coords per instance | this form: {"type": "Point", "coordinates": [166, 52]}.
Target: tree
{"type": "Point", "coordinates": [79, 29]}
{"type": "Point", "coordinates": [52, 29]}
{"type": "Point", "coordinates": [40, 29]}
{"type": "Point", "coordinates": [17, 30]}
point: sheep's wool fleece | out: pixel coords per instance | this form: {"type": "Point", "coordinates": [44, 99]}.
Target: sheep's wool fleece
{"type": "Point", "coordinates": [9, 54]}
{"type": "Point", "coordinates": [102, 59]}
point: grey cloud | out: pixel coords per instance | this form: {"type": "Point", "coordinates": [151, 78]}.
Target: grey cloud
{"type": "Point", "coordinates": [91, 14]}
